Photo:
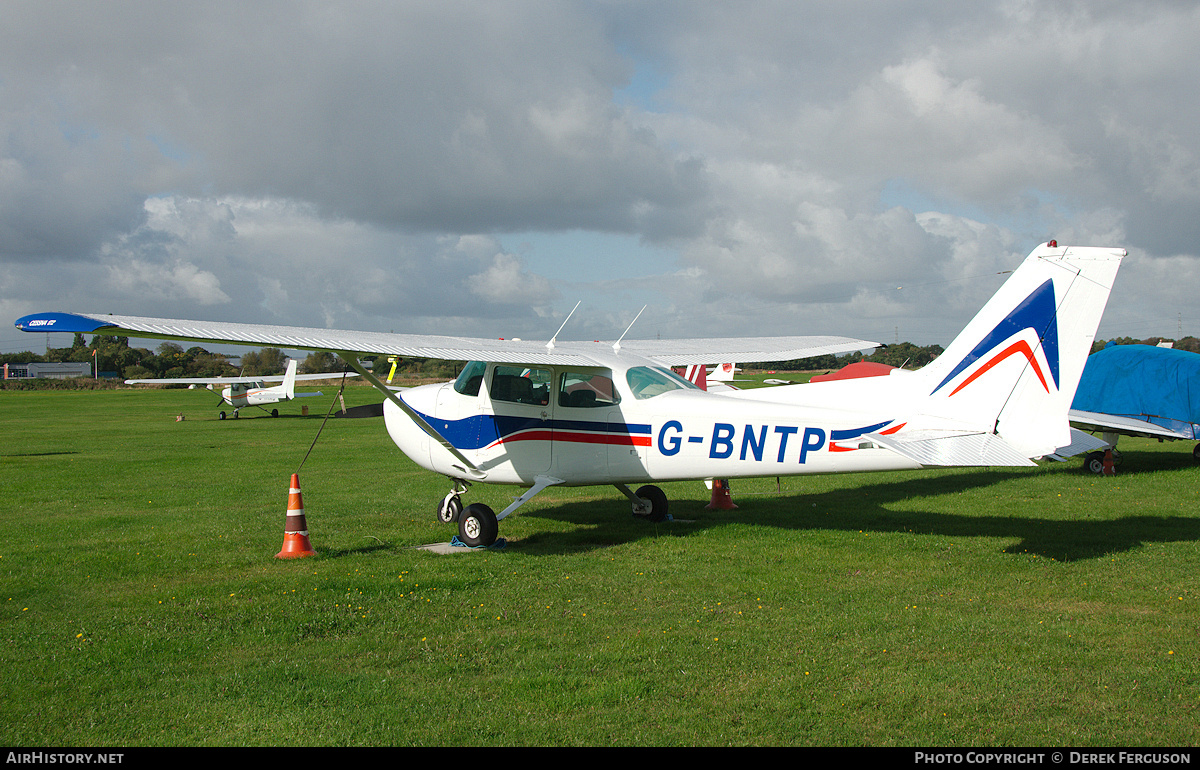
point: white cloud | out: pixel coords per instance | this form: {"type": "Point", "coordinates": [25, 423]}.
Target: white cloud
{"type": "Point", "coordinates": [505, 282]}
{"type": "Point", "coordinates": [180, 281]}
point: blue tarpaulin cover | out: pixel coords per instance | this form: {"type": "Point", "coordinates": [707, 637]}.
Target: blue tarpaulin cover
{"type": "Point", "coordinates": [1161, 384]}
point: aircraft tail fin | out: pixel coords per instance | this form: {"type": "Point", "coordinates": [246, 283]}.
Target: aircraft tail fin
{"type": "Point", "coordinates": [289, 380]}
{"type": "Point", "coordinates": [1014, 369]}
{"type": "Point", "coordinates": [695, 374]}
{"type": "Point", "coordinates": [723, 372]}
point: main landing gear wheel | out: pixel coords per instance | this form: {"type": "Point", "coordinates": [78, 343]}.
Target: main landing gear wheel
{"type": "Point", "coordinates": [1094, 463]}
{"type": "Point", "coordinates": [274, 412]}
{"type": "Point", "coordinates": [1196, 453]}
{"type": "Point", "coordinates": [449, 509]}
{"type": "Point", "coordinates": [477, 526]}
{"type": "Point", "coordinates": [656, 503]}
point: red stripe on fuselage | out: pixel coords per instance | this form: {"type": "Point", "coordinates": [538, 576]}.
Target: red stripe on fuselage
{"type": "Point", "coordinates": [573, 438]}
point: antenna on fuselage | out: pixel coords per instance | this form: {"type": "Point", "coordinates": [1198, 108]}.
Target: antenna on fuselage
{"type": "Point", "coordinates": [617, 344]}
{"type": "Point", "coordinates": [550, 344]}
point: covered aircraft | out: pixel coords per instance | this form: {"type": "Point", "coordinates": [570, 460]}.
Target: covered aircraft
{"type": "Point", "coordinates": [241, 392]}
{"type": "Point", "coordinates": [537, 415]}
{"type": "Point", "coordinates": [1139, 390]}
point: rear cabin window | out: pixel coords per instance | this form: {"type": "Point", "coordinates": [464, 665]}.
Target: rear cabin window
{"type": "Point", "coordinates": [520, 385]}
{"type": "Point", "coordinates": [581, 390]}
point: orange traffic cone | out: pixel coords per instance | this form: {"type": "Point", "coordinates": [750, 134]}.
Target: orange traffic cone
{"type": "Point", "coordinates": [295, 528]}
{"type": "Point", "coordinates": [721, 501]}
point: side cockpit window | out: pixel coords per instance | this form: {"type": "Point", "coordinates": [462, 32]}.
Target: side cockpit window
{"type": "Point", "coordinates": [520, 385]}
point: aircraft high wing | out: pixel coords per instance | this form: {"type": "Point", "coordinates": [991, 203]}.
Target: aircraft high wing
{"type": "Point", "coordinates": [536, 415]}
{"type": "Point", "coordinates": [241, 392]}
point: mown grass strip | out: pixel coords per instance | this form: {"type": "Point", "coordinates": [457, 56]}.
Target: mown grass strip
{"type": "Point", "coordinates": [142, 604]}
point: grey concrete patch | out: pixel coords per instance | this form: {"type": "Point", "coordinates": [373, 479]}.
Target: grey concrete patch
{"type": "Point", "coordinates": [446, 548]}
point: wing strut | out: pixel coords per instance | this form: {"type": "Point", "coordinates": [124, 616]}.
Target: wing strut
{"type": "Point", "coordinates": [352, 361]}
{"type": "Point", "coordinates": [539, 483]}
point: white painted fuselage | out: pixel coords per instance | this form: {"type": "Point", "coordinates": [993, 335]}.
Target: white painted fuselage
{"type": "Point", "coordinates": [680, 433]}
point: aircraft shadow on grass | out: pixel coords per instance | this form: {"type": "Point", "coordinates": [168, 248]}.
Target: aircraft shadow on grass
{"type": "Point", "coordinates": [39, 454]}
{"type": "Point", "coordinates": [867, 508]}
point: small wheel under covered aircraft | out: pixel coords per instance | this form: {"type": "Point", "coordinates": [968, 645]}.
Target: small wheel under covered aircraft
{"type": "Point", "coordinates": [655, 503]}
{"type": "Point", "coordinates": [1094, 463]}
{"type": "Point", "coordinates": [449, 509]}
{"type": "Point", "coordinates": [1196, 453]}
{"type": "Point", "coordinates": [477, 526]}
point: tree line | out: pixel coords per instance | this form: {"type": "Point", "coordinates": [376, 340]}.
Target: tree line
{"type": "Point", "coordinates": [906, 355]}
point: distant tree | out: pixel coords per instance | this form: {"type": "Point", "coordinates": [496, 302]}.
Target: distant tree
{"type": "Point", "coordinates": [1190, 344]}
{"type": "Point", "coordinates": [321, 361]}
{"type": "Point", "coordinates": [902, 354]}
{"type": "Point", "coordinates": [266, 361]}
{"type": "Point", "coordinates": [905, 355]}
{"type": "Point", "coordinates": [251, 362]}
{"type": "Point", "coordinates": [205, 364]}
{"type": "Point", "coordinates": [77, 352]}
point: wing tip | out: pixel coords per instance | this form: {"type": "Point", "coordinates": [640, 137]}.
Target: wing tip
{"type": "Point", "coordinates": [61, 322]}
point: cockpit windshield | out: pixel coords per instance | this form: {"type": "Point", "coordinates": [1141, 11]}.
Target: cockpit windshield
{"type": "Point", "coordinates": [651, 381]}
{"type": "Point", "coordinates": [470, 378]}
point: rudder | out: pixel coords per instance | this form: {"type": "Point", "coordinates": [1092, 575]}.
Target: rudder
{"type": "Point", "coordinates": [1013, 370]}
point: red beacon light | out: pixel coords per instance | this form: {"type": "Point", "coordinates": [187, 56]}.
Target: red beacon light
{"type": "Point", "coordinates": [1053, 244]}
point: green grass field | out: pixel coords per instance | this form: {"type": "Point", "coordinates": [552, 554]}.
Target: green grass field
{"type": "Point", "coordinates": [143, 605]}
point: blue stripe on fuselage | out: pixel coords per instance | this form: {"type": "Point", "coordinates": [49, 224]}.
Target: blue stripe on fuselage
{"type": "Point", "coordinates": [480, 430]}
{"type": "Point", "coordinates": [846, 435]}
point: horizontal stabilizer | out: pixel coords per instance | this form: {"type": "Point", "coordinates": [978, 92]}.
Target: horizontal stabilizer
{"type": "Point", "coordinates": [937, 448]}
{"type": "Point", "coordinates": [1081, 443]}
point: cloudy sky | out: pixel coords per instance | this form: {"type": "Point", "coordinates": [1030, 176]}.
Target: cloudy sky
{"type": "Point", "coordinates": [859, 168]}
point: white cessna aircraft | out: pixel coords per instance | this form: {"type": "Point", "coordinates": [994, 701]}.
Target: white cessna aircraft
{"type": "Point", "coordinates": [538, 415]}
{"type": "Point", "coordinates": [241, 392]}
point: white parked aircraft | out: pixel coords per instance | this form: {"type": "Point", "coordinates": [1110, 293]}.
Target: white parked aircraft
{"type": "Point", "coordinates": [538, 415]}
{"type": "Point", "coordinates": [241, 392]}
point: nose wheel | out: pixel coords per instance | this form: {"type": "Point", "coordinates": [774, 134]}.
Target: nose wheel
{"type": "Point", "coordinates": [478, 526]}
{"type": "Point", "coordinates": [449, 509]}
